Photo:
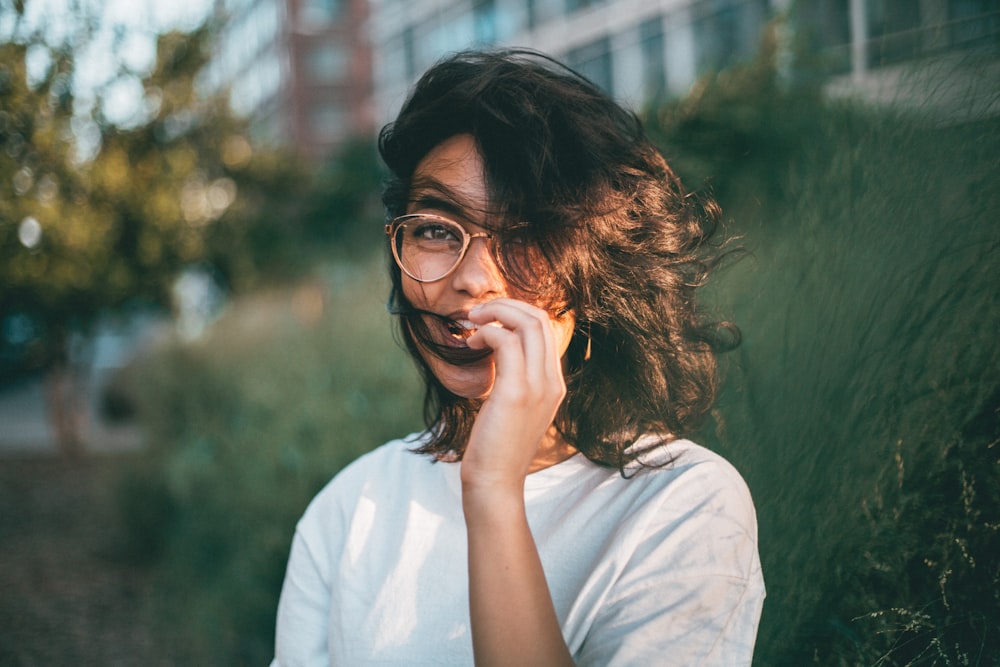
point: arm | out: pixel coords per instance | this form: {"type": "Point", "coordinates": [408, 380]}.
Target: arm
{"type": "Point", "coordinates": [513, 618]}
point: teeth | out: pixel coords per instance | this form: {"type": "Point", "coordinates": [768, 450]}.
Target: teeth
{"type": "Point", "coordinates": [462, 328]}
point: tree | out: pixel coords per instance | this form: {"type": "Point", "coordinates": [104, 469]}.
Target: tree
{"type": "Point", "coordinates": [82, 235]}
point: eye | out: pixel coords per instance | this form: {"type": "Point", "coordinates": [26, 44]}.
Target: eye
{"type": "Point", "coordinates": [519, 234]}
{"type": "Point", "coordinates": [435, 231]}
{"type": "Point", "coordinates": [523, 256]}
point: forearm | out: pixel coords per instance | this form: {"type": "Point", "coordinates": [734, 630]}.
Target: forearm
{"type": "Point", "coordinates": [513, 619]}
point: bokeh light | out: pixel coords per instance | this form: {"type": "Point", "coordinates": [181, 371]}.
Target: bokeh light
{"type": "Point", "coordinates": [29, 233]}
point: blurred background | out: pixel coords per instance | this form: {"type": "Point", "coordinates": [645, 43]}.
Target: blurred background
{"type": "Point", "coordinates": [193, 337]}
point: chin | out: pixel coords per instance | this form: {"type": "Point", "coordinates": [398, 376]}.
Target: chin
{"type": "Point", "coordinates": [471, 382]}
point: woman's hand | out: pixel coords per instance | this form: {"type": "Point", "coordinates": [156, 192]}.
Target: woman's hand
{"type": "Point", "coordinates": [513, 433]}
{"type": "Point", "coordinates": [513, 618]}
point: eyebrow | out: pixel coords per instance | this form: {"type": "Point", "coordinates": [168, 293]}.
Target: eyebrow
{"type": "Point", "coordinates": [428, 191]}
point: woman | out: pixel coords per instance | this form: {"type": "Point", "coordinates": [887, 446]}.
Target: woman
{"type": "Point", "coordinates": [545, 260]}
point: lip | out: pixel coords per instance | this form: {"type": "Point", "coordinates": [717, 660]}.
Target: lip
{"type": "Point", "coordinates": [446, 333]}
{"type": "Point", "coordinates": [454, 328]}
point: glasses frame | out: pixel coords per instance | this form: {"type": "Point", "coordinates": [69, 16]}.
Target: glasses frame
{"type": "Point", "coordinates": [395, 224]}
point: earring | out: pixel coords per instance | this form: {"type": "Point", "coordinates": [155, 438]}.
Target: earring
{"type": "Point", "coordinates": [586, 332]}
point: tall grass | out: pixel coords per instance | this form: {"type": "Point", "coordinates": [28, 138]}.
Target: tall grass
{"type": "Point", "coordinates": [862, 405]}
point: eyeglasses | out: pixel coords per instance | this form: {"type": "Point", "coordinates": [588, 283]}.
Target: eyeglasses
{"type": "Point", "coordinates": [428, 247]}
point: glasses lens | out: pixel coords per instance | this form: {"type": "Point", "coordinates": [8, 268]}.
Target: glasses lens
{"type": "Point", "coordinates": [427, 246]}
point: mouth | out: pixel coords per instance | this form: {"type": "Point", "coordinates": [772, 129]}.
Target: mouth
{"type": "Point", "coordinates": [445, 337]}
{"type": "Point", "coordinates": [460, 330]}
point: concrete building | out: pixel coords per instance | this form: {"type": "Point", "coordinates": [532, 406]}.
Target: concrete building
{"type": "Point", "coordinates": [642, 50]}
{"type": "Point", "coordinates": [636, 49]}
{"type": "Point", "coordinates": [941, 56]}
{"type": "Point", "coordinates": [312, 72]}
{"type": "Point", "coordinates": [299, 69]}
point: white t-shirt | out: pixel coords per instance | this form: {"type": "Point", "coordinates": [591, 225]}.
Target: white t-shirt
{"type": "Point", "coordinates": [659, 569]}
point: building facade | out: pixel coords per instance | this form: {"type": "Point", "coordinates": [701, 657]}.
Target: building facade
{"type": "Point", "coordinates": [310, 73]}
{"type": "Point", "coordinates": [941, 56]}
{"type": "Point", "coordinates": [638, 50]}
{"type": "Point", "coordinates": [300, 70]}
{"type": "Point", "coordinates": [647, 50]}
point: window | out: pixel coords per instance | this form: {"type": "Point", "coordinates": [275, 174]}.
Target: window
{"type": "Point", "coordinates": [729, 32]}
{"type": "Point", "coordinates": [409, 53]}
{"type": "Point", "coordinates": [327, 121]}
{"type": "Point", "coordinates": [575, 5]}
{"type": "Point", "coordinates": [594, 62]}
{"type": "Point", "coordinates": [973, 22]}
{"type": "Point", "coordinates": [654, 79]}
{"type": "Point", "coordinates": [327, 62]}
{"type": "Point", "coordinates": [540, 11]}
{"type": "Point", "coordinates": [825, 27]}
{"type": "Point", "coordinates": [318, 12]}
{"type": "Point", "coordinates": [893, 29]}
{"type": "Point", "coordinates": [715, 35]}
{"type": "Point", "coordinates": [485, 17]}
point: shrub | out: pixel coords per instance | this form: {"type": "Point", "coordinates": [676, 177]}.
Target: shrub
{"type": "Point", "coordinates": [243, 428]}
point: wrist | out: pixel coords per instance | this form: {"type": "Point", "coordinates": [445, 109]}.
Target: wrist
{"type": "Point", "coordinates": [493, 498]}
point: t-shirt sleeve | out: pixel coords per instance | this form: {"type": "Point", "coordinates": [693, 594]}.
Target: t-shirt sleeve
{"type": "Point", "coordinates": [303, 619]}
{"type": "Point", "coordinates": [692, 590]}
{"type": "Point", "coordinates": [303, 612]}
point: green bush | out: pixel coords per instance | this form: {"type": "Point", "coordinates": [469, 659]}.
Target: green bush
{"type": "Point", "coordinates": [243, 428]}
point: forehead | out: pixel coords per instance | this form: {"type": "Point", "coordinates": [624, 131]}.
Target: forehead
{"type": "Point", "coordinates": [454, 170]}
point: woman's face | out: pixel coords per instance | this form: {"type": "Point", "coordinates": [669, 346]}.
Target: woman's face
{"type": "Point", "coordinates": [450, 182]}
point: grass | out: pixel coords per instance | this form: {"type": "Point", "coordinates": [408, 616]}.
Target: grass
{"type": "Point", "coordinates": [862, 406]}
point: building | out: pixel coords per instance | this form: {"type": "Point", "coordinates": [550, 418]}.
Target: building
{"type": "Point", "coordinates": [299, 69]}
{"type": "Point", "coordinates": [939, 55]}
{"type": "Point", "coordinates": [310, 73]}
{"type": "Point", "coordinates": [636, 49]}
{"type": "Point", "coordinates": [643, 50]}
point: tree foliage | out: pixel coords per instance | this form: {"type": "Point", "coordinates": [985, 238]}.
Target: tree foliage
{"type": "Point", "coordinates": [95, 217]}
{"type": "Point", "coordinates": [81, 236]}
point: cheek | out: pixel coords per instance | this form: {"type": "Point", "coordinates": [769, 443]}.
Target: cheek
{"type": "Point", "coordinates": [420, 295]}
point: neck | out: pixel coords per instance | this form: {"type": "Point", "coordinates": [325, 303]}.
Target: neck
{"type": "Point", "coordinates": [552, 450]}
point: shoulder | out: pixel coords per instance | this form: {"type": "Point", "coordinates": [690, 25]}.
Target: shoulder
{"type": "Point", "coordinates": [682, 466]}
{"type": "Point", "coordinates": [701, 503]}
{"type": "Point", "coordinates": [391, 457]}
{"type": "Point", "coordinates": [688, 578]}
{"type": "Point", "coordinates": [385, 466]}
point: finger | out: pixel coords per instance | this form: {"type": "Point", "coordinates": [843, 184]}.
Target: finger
{"type": "Point", "coordinates": [532, 325]}
{"type": "Point", "coordinates": [534, 329]}
{"type": "Point", "coordinates": [509, 359]}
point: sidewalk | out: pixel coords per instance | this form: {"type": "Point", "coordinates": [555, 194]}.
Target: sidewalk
{"type": "Point", "coordinates": [25, 428]}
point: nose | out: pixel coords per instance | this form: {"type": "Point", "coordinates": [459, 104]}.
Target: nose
{"type": "Point", "coordinates": [478, 274]}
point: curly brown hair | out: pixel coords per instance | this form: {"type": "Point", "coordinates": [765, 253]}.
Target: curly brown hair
{"type": "Point", "coordinates": [626, 246]}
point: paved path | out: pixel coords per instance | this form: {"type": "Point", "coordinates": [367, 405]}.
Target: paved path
{"type": "Point", "coordinates": [25, 427]}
